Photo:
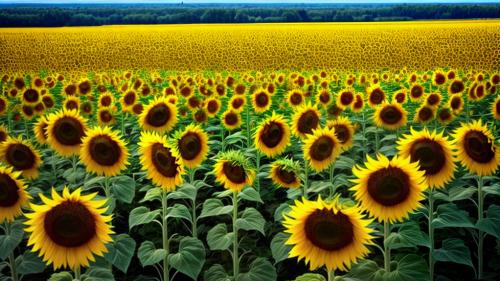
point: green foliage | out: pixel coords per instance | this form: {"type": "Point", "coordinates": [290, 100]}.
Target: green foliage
{"type": "Point", "coordinates": [190, 257]}
{"type": "Point", "coordinates": [121, 251]}
{"type": "Point", "coordinates": [149, 255]}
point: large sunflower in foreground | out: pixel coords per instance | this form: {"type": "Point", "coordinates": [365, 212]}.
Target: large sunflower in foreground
{"type": "Point", "coordinates": [233, 170]}
{"type": "Point", "coordinates": [321, 148]}
{"type": "Point", "coordinates": [191, 144]}
{"type": "Point", "coordinates": [327, 234]}
{"type": "Point", "coordinates": [390, 116]}
{"type": "Point", "coordinates": [69, 230]}
{"type": "Point", "coordinates": [475, 148]}
{"type": "Point", "coordinates": [344, 131]}
{"type": "Point", "coordinates": [272, 136]}
{"type": "Point", "coordinates": [159, 115]}
{"type": "Point", "coordinates": [21, 155]}
{"type": "Point", "coordinates": [389, 189]}
{"type": "Point", "coordinates": [13, 195]}
{"type": "Point", "coordinates": [103, 152]}
{"type": "Point", "coordinates": [285, 173]}
{"type": "Point", "coordinates": [65, 132]}
{"type": "Point", "coordinates": [305, 120]}
{"type": "Point", "coordinates": [162, 164]}
{"type": "Point", "coordinates": [433, 152]}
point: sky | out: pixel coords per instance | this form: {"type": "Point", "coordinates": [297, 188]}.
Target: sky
{"type": "Point", "coordinates": [248, 1]}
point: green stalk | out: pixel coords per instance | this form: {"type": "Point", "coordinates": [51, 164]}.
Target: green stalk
{"type": "Point", "coordinates": [431, 234]}
{"type": "Point", "coordinates": [166, 268]}
{"type": "Point", "coordinates": [332, 189]}
{"type": "Point", "coordinates": [331, 275]}
{"type": "Point", "coordinates": [222, 138]}
{"type": "Point", "coordinates": [363, 128]}
{"type": "Point", "coordinates": [194, 225]}
{"type": "Point", "coordinates": [12, 259]}
{"type": "Point", "coordinates": [387, 250]}
{"type": "Point", "coordinates": [306, 179]}
{"type": "Point", "coordinates": [236, 261]}
{"type": "Point", "coordinates": [257, 181]}
{"type": "Point", "coordinates": [480, 244]}
{"type": "Point", "coordinates": [77, 273]}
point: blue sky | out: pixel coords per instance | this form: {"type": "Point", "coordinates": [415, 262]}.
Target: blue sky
{"type": "Point", "coordinates": [248, 1]}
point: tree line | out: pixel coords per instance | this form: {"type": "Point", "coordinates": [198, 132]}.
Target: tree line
{"type": "Point", "coordinates": [25, 16]}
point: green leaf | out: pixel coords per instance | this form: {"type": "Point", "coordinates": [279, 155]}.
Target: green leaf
{"type": "Point", "coordinates": [260, 269]}
{"type": "Point", "coordinates": [152, 194]}
{"type": "Point", "coordinates": [123, 188]}
{"type": "Point", "coordinates": [121, 251]}
{"type": "Point", "coordinates": [409, 268]}
{"type": "Point", "coordinates": [310, 277]}
{"type": "Point", "coordinates": [460, 193]}
{"type": "Point", "coordinates": [214, 207]}
{"type": "Point", "coordinates": [9, 242]}
{"type": "Point", "coordinates": [251, 220]}
{"type": "Point", "coordinates": [408, 235]}
{"type": "Point", "coordinates": [491, 224]}
{"type": "Point", "coordinates": [280, 211]}
{"type": "Point", "coordinates": [454, 250]}
{"type": "Point", "coordinates": [216, 273]}
{"type": "Point", "coordinates": [98, 274]}
{"type": "Point", "coordinates": [450, 216]}
{"type": "Point", "coordinates": [278, 248]}
{"type": "Point", "coordinates": [61, 276]}
{"type": "Point", "coordinates": [190, 258]}
{"type": "Point", "coordinates": [149, 255]}
{"type": "Point", "coordinates": [218, 238]}
{"type": "Point", "coordinates": [29, 263]}
{"type": "Point", "coordinates": [186, 191]}
{"type": "Point", "coordinates": [93, 182]}
{"type": "Point", "coordinates": [141, 215]}
{"type": "Point", "coordinates": [179, 211]}
{"type": "Point", "coordinates": [250, 194]}
{"type": "Point", "coordinates": [364, 270]}
{"type": "Point", "coordinates": [493, 189]}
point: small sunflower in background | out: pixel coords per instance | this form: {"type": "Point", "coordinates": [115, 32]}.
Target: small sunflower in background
{"type": "Point", "coordinates": [323, 97]}
{"type": "Point", "coordinates": [231, 120]}
{"type": "Point", "coordinates": [70, 229]}
{"type": "Point", "coordinates": [21, 155]}
{"type": "Point", "coordinates": [272, 135]}
{"type": "Point", "coordinates": [327, 234]}
{"type": "Point", "coordinates": [13, 194]}
{"type": "Point", "coordinates": [285, 173]}
{"type": "Point", "coordinates": [305, 120]}
{"type": "Point", "coordinates": [103, 152]}
{"type": "Point", "coordinates": [212, 106]}
{"type": "Point", "coordinates": [345, 98]}
{"type": "Point", "coordinates": [390, 116]}
{"type": "Point", "coordinates": [295, 98]}
{"type": "Point", "coordinates": [416, 92]}
{"type": "Point", "coordinates": [191, 144]}
{"type": "Point", "coordinates": [237, 103]}
{"type": "Point", "coordinates": [233, 170]}
{"type": "Point", "coordinates": [456, 103]}
{"type": "Point", "coordinates": [358, 104]}
{"type": "Point", "coordinates": [159, 115]}
{"type": "Point", "coordinates": [105, 116]}
{"type": "Point", "coordinates": [389, 189]}
{"type": "Point", "coordinates": [424, 114]}
{"type": "Point", "coordinates": [376, 95]}
{"type": "Point", "coordinates": [65, 132]}
{"type": "Point", "coordinates": [495, 108]}
{"type": "Point", "coordinates": [475, 148]}
{"type": "Point", "coordinates": [321, 148]}
{"type": "Point", "coordinates": [433, 152]}
{"type": "Point", "coordinates": [162, 164]}
{"type": "Point", "coordinates": [456, 87]}
{"type": "Point", "coordinates": [344, 131]}
{"type": "Point", "coordinates": [261, 101]}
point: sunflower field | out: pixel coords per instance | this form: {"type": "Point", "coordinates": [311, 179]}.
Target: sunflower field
{"type": "Point", "coordinates": [212, 169]}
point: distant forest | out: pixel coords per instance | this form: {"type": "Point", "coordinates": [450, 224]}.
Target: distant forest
{"type": "Point", "coordinates": [89, 15]}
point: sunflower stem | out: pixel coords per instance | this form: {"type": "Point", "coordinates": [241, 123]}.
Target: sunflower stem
{"type": "Point", "coordinates": [222, 138]}
{"type": "Point", "coordinates": [431, 235]}
{"type": "Point", "coordinates": [306, 179]}
{"type": "Point", "coordinates": [247, 112]}
{"type": "Point", "coordinates": [166, 268]}
{"type": "Point", "coordinates": [194, 225]}
{"type": "Point", "coordinates": [77, 273]}
{"type": "Point", "coordinates": [236, 265]}
{"type": "Point", "coordinates": [12, 259]}
{"type": "Point", "coordinates": [331, 275]}
{"type": "Point", "coordinates": [257, 181]}
{"type": "Point", "coordinates": [26, 128]}
{"type": "Point", "coordinates": [74, 164]}
{"type": "Point", "coordinates": [332, 188]}
{"type": "Point", "coordinates": [480, 244]}
{"type": "Point", "coordinates": [123, 123]}
{"type": "Point", "coordinates": [387, 250]}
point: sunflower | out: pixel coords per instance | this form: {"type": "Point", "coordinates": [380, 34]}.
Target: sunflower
{"type": "Point", "coordinates": [72, 103]}
{"type": "Point", "coordinates": [321, 148]}
{"type": "Point", "coordinates": [389, 189]}
{"type": "Point", "coordinates": [456, 103]}
{"type": "Point", "coordinates": [13, 194]}
{"type": "Point", "coordinates": [272, 135]}
{"type": "Point", "coordinates": [28, 112]}
{"type": "Point", "coordinates": [305, 120]}
{"type": "Point", "coordinates": [69, 230]}
{"type": "Point", "coordinates": [84, 87]}
{"type": "Point", "coordinates": [456, 87]}
{"type": "Point", "coordinates": [438, 78]}
{"type": "Point", "coordinates": [327, 234]}
{"type": "Point", "coordinates": [433, 152]}
{"type": "Point", "coordinates": [445, 115]}
{"type": "Point", "coordinates": [3, 105]}
{"type": "Point", "coordinates": [295, 98]}
{"type": "Point", "coordinates": [237, 103]}
{"type": "Point", "coordinates": [4, 133]}
{"type": "Point", "coordinates": [19, 154]}
{"type": "Point", "coordinates": [424, 114]}
{"type": "Point", "coordinates": [416, 92]}
{"type": "Point", "coordinates": [376, 95]}
{"type": "Point", "coordinates": [358, 103]}
{"type": "Point", "coordinates": [495, 108]}
{"type": "Point", "coordinates": [65, 131]}
{"type": "Point", "coordinates": [192, 145]}
{"type": "Point", "coordinates": [233, 170]}
{"type": "Point", "coordinates": [390, 116]}
{"type": "Point", "coordinates": [159, 115]}
{"type": "Point", "coordinates": [344, 131]}
{"type": "Point", "coordinates": [433, 100]}
{"type": "Point", "coordinates": [40, 130]}
{"type": "Point", "coordinates": [105, 116]}
{"type": "Point", "coordinates": [285, 173]}
{"type": "Point", "coordinates": [31, 96]}
{"type": "Point", "coordinates": [231, 120]}
{"type": "Point", "coordinates": [162, 164]}
{"type": "Point", "coordinates": [400, 96]}
{"type": "Point", "coordinates": [475, 148]}
{"type": "Point", "coordinates": [345, 99]}
{"type": "Point", "coordinates": [103, 152]}
{"type": "Point", "coordinates": [324, 97]}
{"type": "Point", "coordinates": [261, 100]}
{"type": "Point", "coordinates": [106, 100]}
{"type": "Point", "coordinates": [129, 99]}
{"type": "Point", "coordinates": [86, 108]}
{"type": "Point", "coordinates": [212, 106]}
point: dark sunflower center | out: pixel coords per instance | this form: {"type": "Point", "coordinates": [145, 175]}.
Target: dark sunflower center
{"type": "Point", "coordinates": [138, 108]}
{"type": "Point", "coordinates": [296, 98]}
{"type": "Point", "coordinates": [285, 176]}
{"type": "Point", "coordinates": [8, 191]}
{"type": "Point", "coordinates": [480, 91]}
{"type": "Point", "coordinates": [3, 105]}
{"type": "Point", "coordinates": [322, 148]}
{"type": "Point", "coordinates": [190, 146]}
{"type": "Point", "coordinates": [3, 136]}
{"type": "Point", "coordinates": [106, 116]}
{"type": "Point", "coordinates": [416, 91]}
{"type": "Point", "coordinates": [129, 98]}
{"type": "Point", "coordinates": [19, 83]}
{"type": "Point", "coordinates": [158, 115]}
{"type": "Point", "coordinates": [71, 105]}
{"type": "Point", "coordinates": [200, 116]}
{"type": "Point", "coordinates": [48, 101]}
{"type": "Point", "coordinates": [272, 134]}
{"type": "Point", "coordinates": [70, 90]}
{"type": "Point", "coordinates": [84, 87]}
{"type": "Point", "coordinates": [106, 101]}
{"type": "Point", "coordinates": [70, 224]}
{"type": "Point", "coordinates": [324, 97]}
{"type": "Point", "coordinates": [342, 133]}
{"type": "Point", "coordinates": [433, 99]}
{"type": "Point", "coordinates": [308, 121]}
{"type": "Point", "coordinates": [164, 161]}
{"type": "Point", "coordinates": [68, 131]}
{"type": "Point", "coordinates": [86, 107]}
{"type": "Point", "coordinates": [440, 79]}
{"type": "Point", "coordinates": [237, 103]}
{"type": "Point", "coordinates": [234, 173]}
{"type": "Point", "coordinates": [212, 106]}
{"type": "Point", "coordinates": [479, 147]}
{"type": "Point", "coordinates": [391, 115]}
{"type": "Point", "coordinates": [389, 186]}
{"type": "Point", "coordinates": [455, 103]}
{"type": "Point", "coordinates": [31, 95]}
{"type": "Point", "coordinates": [377, 96]}
{"type": "Point", "coordinates": [194, 102]}
{"type": "Point", "coordinates": [425, 114]}
{"type": "Point", "coordinates": [444, 114]}
{"type": "Point", "coordinates": [28, 110]}
{"type": "Point", "coordinates": [231, 119]}
{"type": "Point", "coordinates": [329, 231]}
{"type": "Point", "coordinates": [20, 156]}
{"type": "Point", "coordinates": [358, 103]}
{"type": "Point", "coordinates": [400, 97]}
{"type": "Point", "coordinates": [104, 150]}
{"type": "Point", "coordinates": [456, 87]}
{"type": "Point", "coordinates": [430, 155]}
{"type": "Point", "coordinates": [262, 99]}
{"type": "Point", "coordinates": [346, 98]}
